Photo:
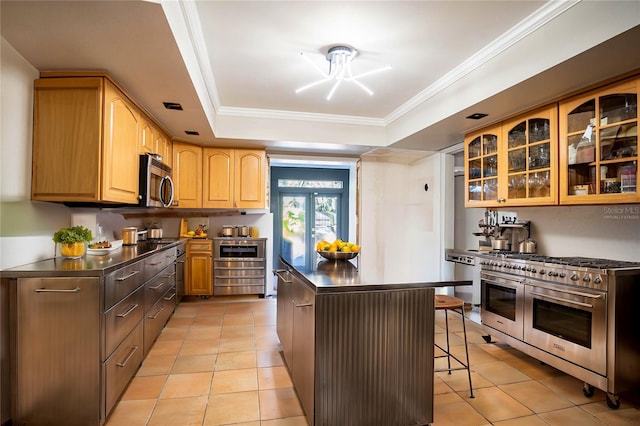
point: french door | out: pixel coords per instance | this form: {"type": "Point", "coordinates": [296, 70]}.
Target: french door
{"type": "Point", "coordinates": [310, 205]}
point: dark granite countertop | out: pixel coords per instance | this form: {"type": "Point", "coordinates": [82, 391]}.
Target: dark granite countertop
{"type": "Point", "coordinates": [88, 265]}
{"type": "Point", "coordinates": [330, 276]}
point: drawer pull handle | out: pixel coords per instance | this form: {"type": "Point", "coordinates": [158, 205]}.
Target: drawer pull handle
{"type": "Point", "coordinates": [156, 263]}
{"type": "Point", "coordinates": [169, 275]}
{"type": "Point", "coordinates": [278, 272]}
{"type": "Point", "coordinates": [124, 363]}
{"type": "Point", "coordinates": [157, 286]}
{"type": "Point", "coordinates": [157, 313]}
{"type": "Point", "coordinates": [131, 309]}
{"type": "Point", "coordinates": [301, 305]}
{"type": "Point", "coordinates": [170, 297]}
{"type": "Point", "coordinates": [128, 276]}
{"type": "Point", "coordinates": [52, 290]}
{"type": "Point", "coordinates": [180, 261]}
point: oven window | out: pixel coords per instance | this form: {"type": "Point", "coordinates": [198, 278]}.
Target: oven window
{"type": "Point", "coordinates": [500, 300]}
{"type": "Point", "coordinates": [238, 251]}
{"type": "Point", "coordinates": [571, 324]}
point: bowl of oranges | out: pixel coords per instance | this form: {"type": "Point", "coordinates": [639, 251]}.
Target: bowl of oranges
{"type": "Point", "coordinates": [337, 250]}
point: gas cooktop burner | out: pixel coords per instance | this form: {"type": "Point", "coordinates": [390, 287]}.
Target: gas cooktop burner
{"type": "Point", "coordinates": [583, 262]}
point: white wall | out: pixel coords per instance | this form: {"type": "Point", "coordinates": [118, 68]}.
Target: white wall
{"type": "Point", "coordinates": [26, 227]}
{"type": "Point", "coordinates": [610, 232]}
{"type": "Point", "coordinates": [402, 225]}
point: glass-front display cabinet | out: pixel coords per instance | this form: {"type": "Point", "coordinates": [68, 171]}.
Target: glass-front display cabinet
{"type": "Point", "coordinates": [515, 163]}
{"type": "Point", "coordinates": [599, 146]}
{"type": "Point", "coordinates": [531, 159]}
{"type": "Point", "coordinates": [481, 167]}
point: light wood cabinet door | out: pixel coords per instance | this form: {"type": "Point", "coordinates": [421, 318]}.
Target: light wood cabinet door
{"type": "Point", "coordinates": [67, 138]}
{"type": "Point", "coordinates": [249, 178]}
{"type": "Point", "coordinates": [85, 142]}
{"type": "Point", "coordinates": [482, 165]}
{"type": "Point", "coordinates": [199, 270]}
{"type": "Point", "coordinates": [164, 147]}
{"type": "Point", "coordinates": [120, 162]}
{"type": "Point", "coordinates": [599, 146]}
{"type": "Point", "coordinates": [529, 158]}
{"type": "Point", "coordinates": [218, 178]}
{"type": "Point", "coordinates": [147, 139]}
{"type": "Point", "coordinates": [187, 175]}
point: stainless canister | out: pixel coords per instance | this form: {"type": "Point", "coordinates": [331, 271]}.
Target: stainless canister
{"type": "Point", "coordinates": [130, 236]}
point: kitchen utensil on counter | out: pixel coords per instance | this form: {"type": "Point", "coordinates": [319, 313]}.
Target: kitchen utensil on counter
{"type": "Point", "coordinates": [500, 243]}
{"type": "Point", "coordinates": [154, 232]}
{"type": "Point", "coordinates": [228, 231]}
{"type": "Point", "coordinates": [142, 235]}
{"type": "Point", "coordinates": [130, 236]}
{"type": "Point", "coordinates": [527, 246]}
{"type": "Point", "coordinates": [243, 231]}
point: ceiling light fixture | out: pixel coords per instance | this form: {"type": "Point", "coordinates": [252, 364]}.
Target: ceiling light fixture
{"type": "Point", "coordinates": [340, 58]}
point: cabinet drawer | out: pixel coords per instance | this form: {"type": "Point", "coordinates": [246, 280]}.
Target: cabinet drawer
{"type": "Point", "coordinates": [159, 285]}
{"type": "Point", "coordinates": [157, 316]}
{"type": "Point", "coordinates": [200, 246]}
{"type": "Point", "coordinates": [120, 367]}
{"type": "Point", "coordinates": [122, 282]}
{"type": "Point", "coordinates": [242, 275]}
{"type": "Point", "coordinates": [156, 263]}
{"type": "Point", "coordinates": [121, 319]}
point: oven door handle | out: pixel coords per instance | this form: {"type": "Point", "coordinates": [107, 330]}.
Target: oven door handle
{"type": "Point", "coordinates": [571, 302]}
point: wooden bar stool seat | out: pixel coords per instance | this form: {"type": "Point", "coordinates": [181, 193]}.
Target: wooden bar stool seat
{"type": "Point", "coordinates": [450, 303]}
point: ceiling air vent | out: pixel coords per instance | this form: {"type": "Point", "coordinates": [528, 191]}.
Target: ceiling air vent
{"type": "Point", "coordinates": [192, 132]}
{"type": "Point", "coordinates": [172, 105]}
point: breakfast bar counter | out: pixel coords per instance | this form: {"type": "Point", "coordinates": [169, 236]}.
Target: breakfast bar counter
{"type": "Point", "coordinates": [359, 351]}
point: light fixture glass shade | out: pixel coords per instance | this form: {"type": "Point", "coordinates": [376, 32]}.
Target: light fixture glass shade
{"type": "Point", "coordinates": [339, 58]}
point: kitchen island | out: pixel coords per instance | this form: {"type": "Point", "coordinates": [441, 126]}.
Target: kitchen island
{"type": "Point", "coordinates": [359, 350]}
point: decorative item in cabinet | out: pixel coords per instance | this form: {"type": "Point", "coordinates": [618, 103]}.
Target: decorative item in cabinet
{"type": "Point", "coordinates": [482, 163]}
{"type": "Point", "coordinates": [599, 146]}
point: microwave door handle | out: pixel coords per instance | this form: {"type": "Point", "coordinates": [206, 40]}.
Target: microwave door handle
{"type": "Point", "coordinates": [166, 181]}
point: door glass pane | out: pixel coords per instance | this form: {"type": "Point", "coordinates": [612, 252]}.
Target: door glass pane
{"type": "Point", "coordinates": [326, 219]}
{"type": "Point", "coordinates": [293, 247]}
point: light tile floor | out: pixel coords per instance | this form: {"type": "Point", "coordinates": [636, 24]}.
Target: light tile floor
{"type": "Point", "coordinates": [218, 362]}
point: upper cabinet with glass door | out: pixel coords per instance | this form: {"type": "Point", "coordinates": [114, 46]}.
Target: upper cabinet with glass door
{"type": "Point", "coordinates": [599, 146]}
{"type": "Point", "coordinates": [530, 152]}
{"type": "Point", "coordinates": [515, 163]}
{"type": "Point", "coordinates": [481, 167]}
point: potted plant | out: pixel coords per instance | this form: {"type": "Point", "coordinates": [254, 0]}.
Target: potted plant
{"type": "Point", "coordinates": [73, 240]}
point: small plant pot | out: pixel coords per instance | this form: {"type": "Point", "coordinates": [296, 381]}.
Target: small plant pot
{"type": "Point", "coordinates": [73, 250]}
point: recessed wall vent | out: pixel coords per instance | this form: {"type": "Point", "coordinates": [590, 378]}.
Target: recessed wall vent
{"type": "Point", "coordinates": [477, 116]}
{"type": "Point", "coordinates": [192, 132]}
{"type": "Point", "coordinates": [172, 105]}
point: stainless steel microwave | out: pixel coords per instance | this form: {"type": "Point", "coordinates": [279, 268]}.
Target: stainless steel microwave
{"type": "Point", "coordinates": [155, 183]}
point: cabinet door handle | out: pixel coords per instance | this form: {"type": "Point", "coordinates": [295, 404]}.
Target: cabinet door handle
{"type": "Point", "coordinates": [157, 313]}
{"type": "Point", "coordinates": [157, 286]}
{"type": "Point", "coordinates": [124, 363]}
{"type": "Point", "coordinates": [501, 200]}
{"type": "Point", "coordinates": [301, 305]}
{"type": "Point", "coordinates": [278, 272]}
{"type": "Point", "coordinates": [52, 290]}
{"type": "Point", "coordinates": [131, 309]}
{"type": "Point", "coordinates": [128, 276]}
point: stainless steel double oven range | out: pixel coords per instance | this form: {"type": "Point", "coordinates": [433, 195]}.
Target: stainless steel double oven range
{"type": "Point", "coordinates": [575, 314]}
{"type": "Point", "coordinates": [239, 266]}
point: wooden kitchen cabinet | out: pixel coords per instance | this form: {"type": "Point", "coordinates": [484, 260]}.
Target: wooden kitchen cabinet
{"type": "Point", "coordinates": [199, 268]}
{"type": "Point", "coordinates": [85, 141]}
{"type": "Point", "coordinates": [155, 141]}
{"type": "Point", "coordinates": [599, 146]}
{"type": "Point", "coordinates": [514, 163]}
{"type": "Point", "coordinates": [234, 178]}
{"type": "Point", "coordinates": [187, 175]}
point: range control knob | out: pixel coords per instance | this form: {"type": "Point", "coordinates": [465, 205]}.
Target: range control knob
{"type": "Point", "coordinates": [553, 274]}
{"type": "Point", "coordinates": [533, 270]}
{"type": "Point", "coordinates": [597, 279]}
{"type": "Point", "coordinates": [562, 275]}
{"type": "Point", "coordinates": [542, 272]}
{"type": "Point", "coordinates": [575, 277]}
{"type": "Point", "coordinates": [586, 278]}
